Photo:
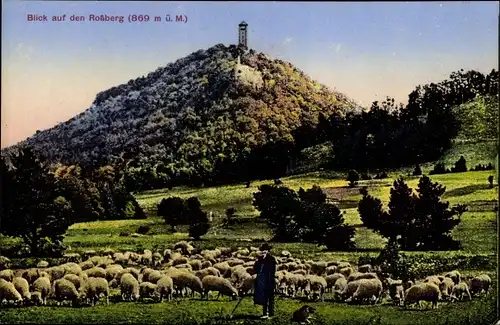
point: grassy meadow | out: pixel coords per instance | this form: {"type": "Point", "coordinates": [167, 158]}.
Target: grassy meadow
{"type": "Point", "coordinates": [477, 232]}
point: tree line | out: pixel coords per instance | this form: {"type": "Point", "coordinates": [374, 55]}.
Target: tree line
{"type": "Point", "coordinates": [416, 220]}
{"type": "Point", "coordinates": [40, 201]}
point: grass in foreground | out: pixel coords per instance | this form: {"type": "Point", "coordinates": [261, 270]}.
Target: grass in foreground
{"type": "Point", "coordinates": [196, 311]}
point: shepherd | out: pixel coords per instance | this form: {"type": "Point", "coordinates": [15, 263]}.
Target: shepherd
{"type": "Point", "coordinates": [265, 283]}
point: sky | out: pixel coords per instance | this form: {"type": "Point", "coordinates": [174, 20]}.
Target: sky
{"type": "Point", "coordinates": [52, 70]}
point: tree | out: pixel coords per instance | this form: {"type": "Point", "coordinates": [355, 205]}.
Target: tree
{"type": "Point", "coordinates": [460, 165]}
{"type": "Point", "coordinates": [414, 221]}
{"type": "Point", "coordinates": [173, 210]}
{"type": "Point", "coordinates": [32, 206]}
{"type": "Point", "coordinates": [198, 219]}
{"type": "Point", "coordinates": [352, 178]}
{"type": "Point", "coordinates": [417, 171]}
{"type": "Point", "coordinates": [278, 205]}
{"type": "Point", "coordinates": [433, 218]}
{"type": "Point", "coordinates": [490, 180]}
{"type": "Point", "coordinates": [304, 217]}
{"type": "Point", "coordinates": [230, 214]}
{"type": "Point", "coordinates": [330, 230]}
{"type": "Point", "coordinates": [370, 211]}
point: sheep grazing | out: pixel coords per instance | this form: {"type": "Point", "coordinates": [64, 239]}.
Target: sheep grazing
{"type": "Point", "coordinates": [433, 279]}
{"type": "Point", "coordinates": [129, 287]}
{"type": "Point", "coordinates": [460, 291]}
{"type": "Point", "coordinates": [195, 264]}
{"type": "Point", "coordinates": [207, 271]}
{"type": "Point", "coordinates": [346, 271]}
{"type": "Point", "coordinates": [358, 276]}
{"type": "Point", "coordinates": [9, 292]}
{"type": "Point", "coordinates": [479, 284]}
{"type": "Point", "coordinates": [94, 288]}
{"type": "Point", "coordinates": [247, 285]}
{"type": "Point", "coordinates": [96, 272]}
{"type": "Point", "coordinates": [396, 291]}
{"type": "Point", "coordinates": [446, 287]}
{"type": "Point", "coordinates": [221, 285]}
{"type": "Point", "coordinates": [317, 285]}
{"type": "Point", "coordinates": [165, 287]}
{"type": "Point", "coordinates": [72, 268]}
{"type": "Point", "coordinates": [112, 270]}
{"type": "Point", "coordinates": [454, 275]}
{"type": "Point", "coordinates": [147, 257]}
{"type": "Point", "coordinates": [157, 259]}
{"type": "Point", "coordinates": [147, 290]}
{"type": "Point", "coordinates": [183, 280]}
{"type": "Point", "coordinates": [22, 286]}
{"type": "Point", "coordinates": [368, 290]}
{"type": "Point", "coordinates": [41, 287]}
{"type": "Point", "coordinates": [349, 290]}
{"type": "Point", "coordinates": [42, 264]}
{"type": "Point", "coordinates": [366, 268]}
{"type": "Point", "coordinates": [7, 275]}
{"type": "Point", "coordinates": [75, 279]}
{"type": "Point", "coordinates": [426, 291]}
{"type": "Point", "coordinates": [65, 290]}
{"type": "Point", "coordinates": [31, 274]}
{"type": "Point", "coordinates": [185, 247]}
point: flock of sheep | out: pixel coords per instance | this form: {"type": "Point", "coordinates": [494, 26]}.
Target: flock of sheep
{"type": "Point", "coordinates": [184, 271]}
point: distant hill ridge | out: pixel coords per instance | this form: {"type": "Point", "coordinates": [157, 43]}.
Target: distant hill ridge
{"type": "Point", "coordinates": [194, 114]}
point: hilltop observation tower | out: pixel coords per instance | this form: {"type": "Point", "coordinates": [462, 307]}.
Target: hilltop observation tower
{"type": "Point", "coordinates": [243, 35]}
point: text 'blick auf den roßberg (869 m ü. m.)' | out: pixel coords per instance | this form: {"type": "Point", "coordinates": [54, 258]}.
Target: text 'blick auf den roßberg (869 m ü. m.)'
{"type": "Point", "coordinates": [131, 18]}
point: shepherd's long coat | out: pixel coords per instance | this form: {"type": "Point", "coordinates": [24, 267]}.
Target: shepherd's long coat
{"type": "Point", "coordinates": [265, 283]}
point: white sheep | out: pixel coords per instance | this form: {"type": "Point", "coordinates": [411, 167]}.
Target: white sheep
{"type": "Point", "coordinates": [316, 284]}
{"type": "Point", "coordinates": [184, 280]}
{"type": "Point", "coordinates": [71, 268]}
{"type": "Point", "coordinates": [147, 257]}
{"type": "Point", "coordinates": [358, 276]}
{"type": "Point", "coordinates": [433, 279]}
{"type": "Point", "coordinates": [349, 290]}
{"type": "Point", "coordinates": [339, 286]}
{"type": "Point", "coordinates": [129, 287]}
{"type": "Point", "coordinates": [247, 285]}
{"type": "Point", "coordinates": [185, 247]}
{"type": "Point", "coordinates": [366, 268]}
{"type": "Point", "coordinates": [65, 290]}
{"type": "Point", "coordinates": [112, 270]}
{"type": "Point", "coordinates": [479, 284]}
{"type": "Point", "coordinates": [42, 264]}
{"type": "Point", "coordinates": [41, 289]}
{"type": "Point", "coordinates": [96, 272]}
{"type": "Point", "coordinates": [396, 291]}
{"type": "Point", "coordinates": [446, 287]}
{"type": "Point", "coordinates": [221, 285]}
{"type": "Point", "coordinates": [207, 271]}
{"type": "Point", "coordinates": [332, 278]}
{"type": "Point", "coordinates": [22, 286]}
{"type": "Point", "coordinates": [165, 287]}
{"type": "Point", "coordinates": [7, 275]}
{"type": "Point", "coordinates": [31, 274]}
{"type": "Point", "coordinates": [460, 291]}
{"type": "Point", "coordinates": [454, 275]}
{"type": "Point", "coordinates": [157, 259]}
{"type": "Point", "coordinates": [148, 290]}
{"type": "Point", "coordinates": [9, 293]}
{"type": "Point", "coordinates": [367, 289]}
{"type": "Point", "coordinates": [346, 271]}
{"type": "Point", "coordinates": [75, 279]}
{"type": "Point", "coordinates": [94, 287]}
{"type": "Point", "coordinates": [426, 291]}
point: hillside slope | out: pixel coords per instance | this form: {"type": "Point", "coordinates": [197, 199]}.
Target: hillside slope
{"type": "Point", "coordinates": [194, 115]}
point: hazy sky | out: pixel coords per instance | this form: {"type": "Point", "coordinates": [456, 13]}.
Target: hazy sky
{"type": "Point", "coordinates": [52, 71]}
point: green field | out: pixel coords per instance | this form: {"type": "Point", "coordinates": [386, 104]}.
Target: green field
{"type": "Point", "coordinates": [477, 232]}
